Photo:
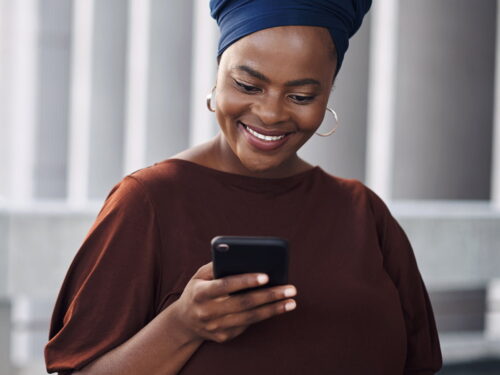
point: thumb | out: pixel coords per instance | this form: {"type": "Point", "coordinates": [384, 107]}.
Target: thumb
{"type": "Point", "coordinates": [205, 272]}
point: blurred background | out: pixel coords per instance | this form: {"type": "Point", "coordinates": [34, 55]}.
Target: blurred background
{"type": "Point", "coordinates": [91, 90]}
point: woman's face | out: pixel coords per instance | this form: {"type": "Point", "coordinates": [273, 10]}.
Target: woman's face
{"type": "Point", "coordinates": [272, 91]}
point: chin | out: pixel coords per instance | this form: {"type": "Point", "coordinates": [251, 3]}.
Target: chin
{"type": "Point", "coordinates": [259, 166]}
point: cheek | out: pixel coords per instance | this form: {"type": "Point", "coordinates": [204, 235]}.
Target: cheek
{"type": "Point", "coordinates": [310, 119]}
{"type": "Point", "coordinates": [229, 106]}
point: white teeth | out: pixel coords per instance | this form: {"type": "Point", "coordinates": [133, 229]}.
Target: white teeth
{"type": "Point", "coordinates": [268, 138]}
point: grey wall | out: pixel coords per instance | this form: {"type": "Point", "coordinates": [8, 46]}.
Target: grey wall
{"type": "Point", "coordinates": [444, 104]}
{"type": "Point", "coordinates": [5, 331]}
{"type": "Point", "coordinates": [42, 241]}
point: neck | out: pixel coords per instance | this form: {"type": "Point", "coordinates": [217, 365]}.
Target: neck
{"type": "Point", "coordinates": [226, 160]}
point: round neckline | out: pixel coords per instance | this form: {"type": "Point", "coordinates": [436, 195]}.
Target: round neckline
{"type": "Point", "coordinates": [251, 182]}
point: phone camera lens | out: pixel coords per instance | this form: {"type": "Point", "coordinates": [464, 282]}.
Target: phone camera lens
{"type": "Point", "coordinates": [222, 247]}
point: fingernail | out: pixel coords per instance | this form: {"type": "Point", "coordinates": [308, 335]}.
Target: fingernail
{"type": "Point", "coordinates": [290, 292]}
{"type": "Point", "coordinates": [290, 305]}
{"type": "Point", "coordinates": [262, 279]}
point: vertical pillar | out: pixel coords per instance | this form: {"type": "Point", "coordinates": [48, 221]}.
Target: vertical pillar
{"type": "Point", "coordinates": [137, 84]}
{"type": "Point", "coordinates": [443, 132]}
{"type": "Point", "coordinates": [381, 97]}
{"type": "Point", "coordinates": [492, 324]}
{"type": "Point", "coordinates": [169, 78]}
{"type": "Point", "coordinates": [80, 104]}
{"type": "Point", "coordinates": [109, 74]}
{"type": "Point", "coordinates": [495, 164]}
{"type": "Point", "coordinates": [23, 88]}
{"type": "Point", "coordinates": [5, 129]}
{"type": "Point", "coordinates": [5, 335]}
{"type": "Point", "coordinates": [53, 61]}
{"type": "Point", "coordinates": [203, 73]}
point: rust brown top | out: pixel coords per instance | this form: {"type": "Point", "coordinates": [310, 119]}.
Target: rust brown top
{"type": "Point", "coordinates": [362, 307]}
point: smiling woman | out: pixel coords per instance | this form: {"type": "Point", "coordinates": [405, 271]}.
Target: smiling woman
{"type": "Point", "coordinates": [140, 296]}
{"type": "Point", "coordinates": [274, 82]}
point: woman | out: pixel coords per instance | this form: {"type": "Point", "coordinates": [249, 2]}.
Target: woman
{"type": "Point", "coordinates": [140, 297]}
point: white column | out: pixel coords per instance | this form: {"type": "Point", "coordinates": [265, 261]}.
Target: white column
{"type": "Point", "coordinates": [5, 129]}
{"type": "Point", "coordinates": [495, 163]}
{"type": "Point", "coordinates": [492, 324]}
{"type": "Point", "coordinates": [137, 85]}
{"type": "Point", "coordinates": [23, 90]}
{"type": "Point", "coordinates": [202, 123]}
{"type": "Point", "coordinates": [381, 97]}
{"type": "Point", "coordinates": [80, 105]}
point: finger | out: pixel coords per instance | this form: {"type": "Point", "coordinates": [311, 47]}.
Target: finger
{"type": "Point", "coordinates": [205, 272]}
{"type": "Point", "coordinates": [230, 284]}
{"type": "Point", "coordinates": [230, 304]}
{"type": "Point", "coordinates": [253, 316]}
{"type": "Point", "coordinates": [254, 299]}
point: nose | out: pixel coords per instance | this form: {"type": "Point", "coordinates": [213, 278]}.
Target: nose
{"type": "Point", "coordinates": [271, 109]}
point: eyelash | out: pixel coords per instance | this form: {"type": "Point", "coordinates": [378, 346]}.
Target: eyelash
{"type": "Point", "coordinates": [299, 99]}
{"type": "Point", "coordinates": [247, 88]}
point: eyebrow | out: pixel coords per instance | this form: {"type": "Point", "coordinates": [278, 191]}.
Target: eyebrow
{"type": "Point", "coordinates": [262, 77]}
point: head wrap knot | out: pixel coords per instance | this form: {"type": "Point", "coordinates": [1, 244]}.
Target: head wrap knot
{"type": "Point", "coordinates": [237, 18]}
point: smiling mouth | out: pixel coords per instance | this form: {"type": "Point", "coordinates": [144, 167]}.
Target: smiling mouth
{"type": "Point", "coordinates": [264, 137]}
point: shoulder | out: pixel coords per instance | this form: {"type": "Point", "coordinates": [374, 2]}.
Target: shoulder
{"type": "Point", "coordinates": [165, 175]}
{"type": "Point", "coordinates": [350, 188]}
{"type": "Point", "coordinates": [138, 188]}
{"type": "Point", "coordinates": [356, 195]}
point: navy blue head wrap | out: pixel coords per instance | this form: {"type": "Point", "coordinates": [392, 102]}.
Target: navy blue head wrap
{"type": "Point", "coordinates": [237, 18]}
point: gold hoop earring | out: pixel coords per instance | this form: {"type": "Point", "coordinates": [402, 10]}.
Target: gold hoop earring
{"type": "Point", "coordinates": [209, 99]}
{"type": "Point", "coordinates": [336, 124]}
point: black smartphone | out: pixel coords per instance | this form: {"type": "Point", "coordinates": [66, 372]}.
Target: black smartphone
{"type": "Point", "coordinates": [234, 255]}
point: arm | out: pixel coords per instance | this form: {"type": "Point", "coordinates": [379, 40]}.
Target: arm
{"type": "Point", "coordinates": [423, 348]}
{"type": "Point", "coordinates": [161, 347]}
{"type": "Point", "coordinates": [106, 320]}
{"type": "Point", "coordinates": [205, 311]}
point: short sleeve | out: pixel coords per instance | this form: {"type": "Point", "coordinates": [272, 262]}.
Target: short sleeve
{"type": "Point", "coordinates": [423, 348]}
{"type": "Point", "coordinates": [109, 292]}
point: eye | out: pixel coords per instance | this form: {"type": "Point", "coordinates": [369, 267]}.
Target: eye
{"type": "Point", "coordinates": [246, 88]}
{"type": "Point", "coordinates": [302, 99]}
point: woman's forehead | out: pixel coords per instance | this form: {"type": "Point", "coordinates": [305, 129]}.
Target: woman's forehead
{"type": "Point", "coordinates": [294, 50]}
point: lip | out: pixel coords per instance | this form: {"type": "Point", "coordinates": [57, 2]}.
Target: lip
{"type": "Point", "coordinates": [261, 144]}
{"type": "Point", "coordinates": [266, 132]}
